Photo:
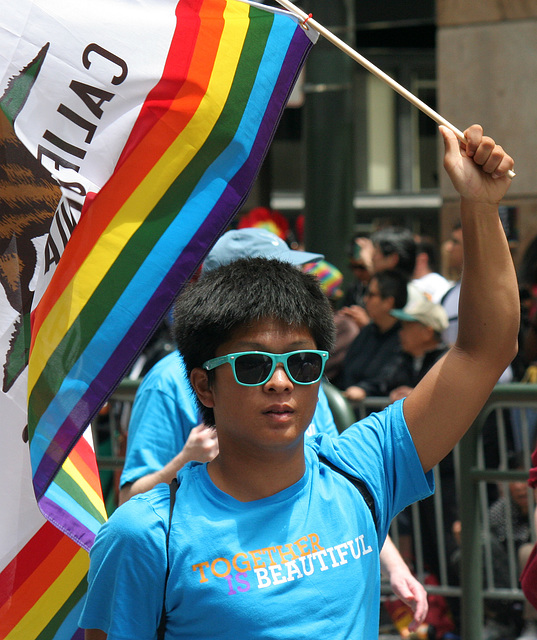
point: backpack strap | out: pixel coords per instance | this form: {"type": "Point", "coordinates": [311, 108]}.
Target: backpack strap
{"type": "Point", "coordinates": [161, 631]}
{"type": "Point", "coordinates": [359, 484]}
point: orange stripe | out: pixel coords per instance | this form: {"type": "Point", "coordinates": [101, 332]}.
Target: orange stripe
{"type": "Point", "coordinates": [32, 589]}
{"type": "Point", "coordinates": [85, 461]}
{"type": "Point", "coordinates": [25, 562]}
{"type": "Point", "coordinates": [53, 601]}
{"type": "Point", "coordinates": [117, 190]}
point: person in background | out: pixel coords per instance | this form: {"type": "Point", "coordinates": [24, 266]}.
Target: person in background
{"type": "Point", "coordinates": [422, 323]}
{"type": "Point", "coordinates": [265, 218]}
{"type": "Point", "coordinates": [528, 577]}
{"type": "Point", "coordinates": [426, 277]}
{"type": "Point", "coordinates": [454, 248]}
{"type": "Point", "coordinates": [330, 280]}
{"type": "Point", "coordinates": [389, 249]}
{"type": "Point", "coordinates": [354, 294]}
{"type": "Point", "coordinates": [377, 346]}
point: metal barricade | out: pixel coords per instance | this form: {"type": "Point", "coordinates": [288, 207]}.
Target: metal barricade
{"type": "Point", "coordinates": [515, 403]}
{"type": "Point", "coordinates": [509, 423]}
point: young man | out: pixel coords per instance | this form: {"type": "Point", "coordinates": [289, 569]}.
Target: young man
{"type": "Point", "coordinates": [270, 539]}
{"type": "Point", "coordinates": [164, 430]}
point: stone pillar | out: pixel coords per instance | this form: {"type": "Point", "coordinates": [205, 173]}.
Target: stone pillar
{"type": "Point", "coordinates": [487, 73]}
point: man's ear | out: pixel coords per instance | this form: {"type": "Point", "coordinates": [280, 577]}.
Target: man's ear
{"type": "Point", "coordinates": [199, 379]}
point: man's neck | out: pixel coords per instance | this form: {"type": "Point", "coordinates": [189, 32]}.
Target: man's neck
{"type": "Point", "coordinates": [252, 477]}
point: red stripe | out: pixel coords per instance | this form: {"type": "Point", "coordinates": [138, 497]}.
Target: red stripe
{"type": "Point", "coordinates": [28, 559]}
{"type": "Point", "coordinates": [43, 576]}
{"type": "Point", "coordinates": [159, 100]}
{"type": "Point", "coordinates": [194, 61]}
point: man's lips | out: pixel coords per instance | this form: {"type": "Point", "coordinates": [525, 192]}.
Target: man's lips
{"type": "Point", "coordinates": [279, 410]}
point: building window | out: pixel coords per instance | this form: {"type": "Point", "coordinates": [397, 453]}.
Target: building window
{"type": "Point", "coordinates": [395, 143]}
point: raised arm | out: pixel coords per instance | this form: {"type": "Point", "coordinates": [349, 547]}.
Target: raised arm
{"type": "Point", "coordinates": [445, 403]}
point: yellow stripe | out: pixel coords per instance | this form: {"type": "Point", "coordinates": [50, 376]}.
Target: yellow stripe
{"type": "Point", "coordinates": [88, 490]}
{"type": "Point", "coordinates": [146, 195]}
{"type": "Point", "coordinates": [37, 618]}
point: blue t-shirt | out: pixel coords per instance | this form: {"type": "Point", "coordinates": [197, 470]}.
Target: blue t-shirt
{"type": "Point", "coordinates": [163, 414]}
{"type": "Point", "coordinates": [303, 563]}
{"type": "Point", "coordinates": [165, 411]}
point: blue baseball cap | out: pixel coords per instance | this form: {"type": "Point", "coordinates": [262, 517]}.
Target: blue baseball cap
{"type": "Point", "coordinates": [254, 243]}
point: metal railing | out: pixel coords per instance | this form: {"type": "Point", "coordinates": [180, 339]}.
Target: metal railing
{"type": "Point", "coordinates": [512, 410]}
{"type": "Point", "coordinates": [511, 402]}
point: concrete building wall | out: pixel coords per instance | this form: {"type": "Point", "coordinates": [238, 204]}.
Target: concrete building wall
{"type": "Point", "coordinates": [487, 73]}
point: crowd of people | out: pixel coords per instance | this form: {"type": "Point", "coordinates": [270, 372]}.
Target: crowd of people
{"type": "Point", "coordinates": [226, 413]}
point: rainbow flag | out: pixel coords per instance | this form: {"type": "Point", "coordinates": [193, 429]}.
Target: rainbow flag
{"type": "Point", "coordinates": [154, 118]}
{"type": "Point", "coordinates": [42, 588]}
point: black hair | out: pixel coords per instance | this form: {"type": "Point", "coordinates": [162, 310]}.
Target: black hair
{"type": "Point", "coordinates": [397, 240]}
{"type": "Point", "coordinates": [428, 246]}
{"type": "Point", "coordinates": [239, 294]}
{"type": "Point", "coordinates": [392, 282]}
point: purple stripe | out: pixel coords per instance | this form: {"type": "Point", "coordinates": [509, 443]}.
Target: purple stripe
{"type": "Point", "coordinates": [66, 523]}
{"type": "Point", "coordinates": [181, 272]}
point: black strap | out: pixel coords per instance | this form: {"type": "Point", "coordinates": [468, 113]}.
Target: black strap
{"type": "Point", "coordinates": [161, 631]}
{"type": "Point", "coordinates": [359, 484]}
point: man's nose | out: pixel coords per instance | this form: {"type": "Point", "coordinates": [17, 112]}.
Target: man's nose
{"type": "Point", "coordinates": [279, 379]}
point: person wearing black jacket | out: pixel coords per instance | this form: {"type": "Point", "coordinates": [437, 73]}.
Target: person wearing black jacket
{"type": "Point", "coordinates": [377, 345]}
{"type": "Point", "coordinates": [422, 323]}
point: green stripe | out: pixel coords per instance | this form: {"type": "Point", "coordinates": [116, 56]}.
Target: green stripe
{"type": "Point", "coordinates": [52, 627]}
{"type": "Point", "coordinates": [73, 489]}
{"type": "Point", "coordinates": [141, 243]}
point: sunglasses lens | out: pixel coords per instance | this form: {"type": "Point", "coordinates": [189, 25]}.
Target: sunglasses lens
{"type": "Point", "coordinates": [252, 368]}
{"type": "Point", "coordinates": [305, 367]}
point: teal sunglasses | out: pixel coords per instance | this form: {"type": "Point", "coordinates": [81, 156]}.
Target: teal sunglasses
{"type": "Point", "coordinates": [253, 368]}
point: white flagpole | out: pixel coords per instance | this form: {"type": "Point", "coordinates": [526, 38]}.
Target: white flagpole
{"type": "Point", "coordinates": [308, 21]}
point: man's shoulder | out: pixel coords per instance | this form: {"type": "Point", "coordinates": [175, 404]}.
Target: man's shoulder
{"type": "Point", "coordinates": [155, 501]}
{"type": "Point", "coordinates": [136, 518]}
